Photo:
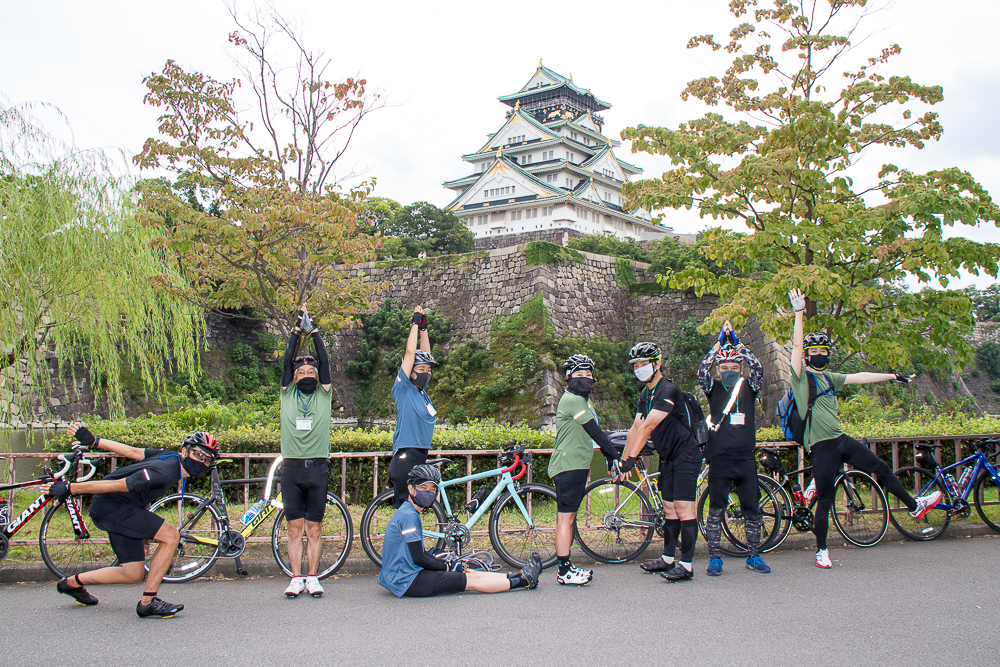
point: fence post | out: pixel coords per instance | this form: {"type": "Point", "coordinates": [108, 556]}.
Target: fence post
{"type": "Point", "coordinates": [246, 487]}
{"type": "Point", "coordinates": [343, 478]}
{"type": "Point", "coordinates": [375, 477]}
{"type": "Point", "coordinates": [958, 453]}
{"type": "Point", "coordinates": [895, 455]}
{"type": "Point", "coordinates": [468, 485]}
{"type": "Point", "coordinates": [802, 464]}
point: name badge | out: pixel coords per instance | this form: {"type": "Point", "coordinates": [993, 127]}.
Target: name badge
{"type": "Point", "coordinates": [303, 424]}
{"type": "Point", "coordinates": [737, 419]}
{"type": "Point", "coordinates": [431, 410]}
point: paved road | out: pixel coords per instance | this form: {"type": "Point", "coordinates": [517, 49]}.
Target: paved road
{"type": "Point", "coordinates": [896, 604]}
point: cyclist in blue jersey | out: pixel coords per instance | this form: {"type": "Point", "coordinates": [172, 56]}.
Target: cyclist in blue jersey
{"type": "Point", "coordinates": [409, 571]}
{"type": "Point", "coordinates": [415, 413]}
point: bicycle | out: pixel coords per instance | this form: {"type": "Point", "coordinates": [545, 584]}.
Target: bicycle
{"type": "Point", "coordinates": [860, 509]}
{"type": "Point", "coordinates": [522, 520]}
{"type": "Point", "coordinates": [206, 534]}
{"type": "Point", "coordinates": [67, 544]}
{"type": "Point", "coordinates": [979, 478]}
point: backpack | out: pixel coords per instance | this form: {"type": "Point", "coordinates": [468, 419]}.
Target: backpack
{"type": "Point", "coordinates": [794, 426]}
{"type": "Point", "coordinates": [694, 418]}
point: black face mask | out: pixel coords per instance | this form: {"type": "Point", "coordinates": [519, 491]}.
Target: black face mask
{"type": "Point", "coordinates": [580, 386]}
{"type": "Point", "coordinates": [194, 468]}
{"type": "Point", "coordinates": [307, 385]}
{"type": "Point", "coordinates": [729, 378]}
{"type": "Point", "coordinates": [421, 380]}
{"type": "Point", "coordinates": [819, 361]}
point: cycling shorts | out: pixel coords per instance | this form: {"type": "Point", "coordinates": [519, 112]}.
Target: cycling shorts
{"type": "Point", "coordinates": [400, 466]}
{"type": "Point", "coordinates": [430, 582]}
{"type": "Point", "coordinates": [127, 527]}
{"type": "Point", "coordinates": [679, 476]}
{"type": "Point", "coordinates": [303, 489]}
{"type": "Point", "coordinates": [570, 485]}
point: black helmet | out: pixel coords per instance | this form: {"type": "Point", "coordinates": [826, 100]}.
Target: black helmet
{"type": "Point", "coordinates": [423, 473]}
{"type": "Point", "coordinates": [204, 441]}
{"type": "Point", "coordinates": [421, 357]}
{"type": "Point", "coordinates": [644, 351]}
{"type": "Point", "coordinates": [578, 362]}
{"type": "Point", "coordinates": [816, 339]}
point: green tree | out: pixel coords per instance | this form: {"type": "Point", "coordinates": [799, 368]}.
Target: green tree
{"type": "Point", "coordinates": [77, 275]}
{"type": "Point", "coordinates": [780, 162]}
{"type": "Point", "coordinates": [985, 302]}
{"type": "Point", "coordinates": [422, 227]}
{"type": "Point", "coordinates": [609, 244]}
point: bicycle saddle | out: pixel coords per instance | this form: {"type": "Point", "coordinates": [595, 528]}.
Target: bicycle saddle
{"type": "Point", "coordinates": [926, 447]}
{"type": "Point", "coordinates": [438, 461]}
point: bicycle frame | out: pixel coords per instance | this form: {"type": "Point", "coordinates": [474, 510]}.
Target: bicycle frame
{"type": "Point", "coordinates": [76, 516]}
{"type": "Point", "coordinates": [645, 479]}
{"type": "Point", "coordinates": [505, 483]}
{"type": "Point", "coordinates": [982, 463]}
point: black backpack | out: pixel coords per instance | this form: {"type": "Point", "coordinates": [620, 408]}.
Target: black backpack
{"type": "Point", "coordinates": [693, 418]}
{"type": "Point", "coordinates": [791, 423]}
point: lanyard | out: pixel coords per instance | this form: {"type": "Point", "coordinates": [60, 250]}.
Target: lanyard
{"type": "Point", "coordinates": [306, 404]}
{"type": "Point", "coordinates": [649, 406]}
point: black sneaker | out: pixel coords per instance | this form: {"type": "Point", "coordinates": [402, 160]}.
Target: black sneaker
{"type": "Point", "coordinates": [79, 594]}
{"type": "Point", "coordinates": [533, 570]}
{"type": "Point", "coordinates": [159, 608]}
{"type": "Point", "coordinates": [657, 565]}
{"type": "Point", "coordinates": [678, 573]}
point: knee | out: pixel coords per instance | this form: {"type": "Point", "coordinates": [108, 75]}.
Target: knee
{"type": "Point", "coordinates": [168, 536]}
{"type": "Point", "coordinates": [133, 573]}
{"type": "Point", "coordinates": [881, 471]}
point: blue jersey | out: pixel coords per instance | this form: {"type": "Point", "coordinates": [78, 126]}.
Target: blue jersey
{"type": "Point", "coordinates": [398, 569]}
{"type": "Point", "coordinates": [415, 415]}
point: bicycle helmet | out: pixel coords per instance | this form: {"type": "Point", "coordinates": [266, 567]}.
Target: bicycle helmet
{"type": "Point", "coordinates": [729, 355]}
{"type": "Point", "coordinates": [304, 360]}
{"type": "Point", "coordinates": [644, 351]}
{"type": "Point", "coordinates": [203, 440]}
{"type": "Point", "coordinates": [421, 357]}
{"type": "Point", "coordinates": [423, 473]}
{"type": "Point", "coordinates": [578, 362]}
{"type": "Point", "coordinates": [816, 339]}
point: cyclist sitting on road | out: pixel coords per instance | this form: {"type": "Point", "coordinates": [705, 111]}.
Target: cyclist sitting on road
{"type": "Point", "coordinates": [577, 429]}
{"type": "Point", "coordinates": [409, 571]}
{"type": "Point", "coordinates": [306, 399]}
{"type": "Point", "coordinates": [415, 414]}
{"type": "Point", "coordinates": [680, 459]}
{"type": "Point", "coordinates": [730, 449]}
{"type": "Point", "coordinates": [828, 446]}
{"type": "Point", "coordinates": [119, 508]}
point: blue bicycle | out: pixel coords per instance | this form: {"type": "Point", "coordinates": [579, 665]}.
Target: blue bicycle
{"type": "Point", "coordinates": [979, 478]}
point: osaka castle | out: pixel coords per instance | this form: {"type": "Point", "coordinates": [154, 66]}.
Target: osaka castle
{"type": "Point", "coordinates": [549, 172]}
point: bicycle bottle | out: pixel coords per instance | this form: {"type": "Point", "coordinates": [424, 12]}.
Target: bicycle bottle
{"type": "Point", "coordinates": [964, 478]}
{"type": "Point", "coordinates": [953, 486]}
{"type": "Point", "coordinates": [810, 492]}
{"type": "Point", "coordinates": [252, 512]}
{"type": "Point", "coordinates": [797, 494]}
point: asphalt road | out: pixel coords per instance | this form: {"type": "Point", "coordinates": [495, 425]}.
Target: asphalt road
{"type": "Point", "coordinates": [896, 604]}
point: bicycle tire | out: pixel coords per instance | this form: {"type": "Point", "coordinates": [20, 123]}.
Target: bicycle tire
{"type": "Point", "coordinates": [987, 500]}
{"type": "Point", "coordinates": [863, 525]}
{"type": "Point", "coordinates": [732, 520]}
{"type": "Point", "coordinates": [193, 559]}
{"type": "Point", "coordinates": [602, 542]}
{"type": "Point", "coordinates": [918, 482]}
{"type": "Point", "coordinates": [337, 529]}
{"type": "Point", "coordinates": [65, 554]}
{"type": "Point", "coordinates": [513, 541]}
{"type": "Point", "coordinates": [783, 517]}
{"type": "Point", "coordinates": [376, 516]}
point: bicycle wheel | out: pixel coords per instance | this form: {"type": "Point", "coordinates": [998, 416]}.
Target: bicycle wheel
{"type": "Point", "coordinates": [510, 535]}
{"type": "Point", "coordinates": [376, 518]}
{"type": "Point", "coordinates": [733, 528]}
{"type": "Point", "coordinates": [919, 482]}
{"type": "Point", "coordinates": [782, 517]}
{"type": "Point", "coordinates": [605, 527]}
{"type": "Point", "coordinates": [336, 530]}
{"type": "Point", "coordinates": [987, 500]}
{"type": "Point", "coordinates": [63, 552]}
{"type": "Point", "coordinates": [860, 510]}
{"type": "Point", "coordinates": [193, 558]}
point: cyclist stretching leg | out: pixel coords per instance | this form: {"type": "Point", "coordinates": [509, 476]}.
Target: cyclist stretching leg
{"type": "Point", "coordinates": [828, 446]}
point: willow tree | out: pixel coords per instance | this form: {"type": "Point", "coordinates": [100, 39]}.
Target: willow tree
{"type": "Point", "coordinates": [78, 278]}
{"type": "Point", "coordinates": [782, 161]}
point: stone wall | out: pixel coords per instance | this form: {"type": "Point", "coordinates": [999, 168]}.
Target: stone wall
{"type": "Point", "coordinates": [558, 236]}
{"type": "Point", "coordinates": [984, 333]}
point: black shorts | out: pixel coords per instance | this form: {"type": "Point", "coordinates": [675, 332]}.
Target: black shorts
{"type": "Point", "coordinates": [303, 489]}
{"type": "Point", "coordinates": [127, 527]}
{"type": "Point", "coordinates": [679, 476]}
{"type": "Point", "coordinates": [430, 582]}
{"type": "Point", "coordinates": [569, 490]}
{"type": "Point", "coordinates": [399, 467]}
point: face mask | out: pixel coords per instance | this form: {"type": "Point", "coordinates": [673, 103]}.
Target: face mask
{"type": "Point", "coordinates": [424, 498]}
{"type": "Point", "coordinates": [729, 378]}
{"type": "Point", "coordinates": [194, 468]}
{"type": "Point", "coordinates": [307, 385]}
{"type": "Point", "coordinates": [580, 386]}
{"type": "Point", "coordinates": [421, 380]}
{"type": "Point", "coordinates": [644, 373]}
{"type": "Point", "coordinates": [819, 361]}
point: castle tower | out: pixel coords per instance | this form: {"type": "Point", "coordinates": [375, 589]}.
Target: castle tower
{"type": "Point", "coordinates": [548, 172]}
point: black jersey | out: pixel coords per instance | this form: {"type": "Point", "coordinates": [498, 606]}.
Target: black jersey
{"type": "Point", "coordinates": [147, 480]}
{"type": "Point", "coordinates": [733, 438]}
{"type": "Point", "coordinates": [670, 436]}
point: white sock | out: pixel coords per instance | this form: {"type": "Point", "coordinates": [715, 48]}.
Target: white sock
{"type": "Point", "coordinates": [669, 560]}
{"type": "Point", "coordinates": [686, 566]}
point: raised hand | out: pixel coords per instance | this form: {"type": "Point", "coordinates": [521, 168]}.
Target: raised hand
{"type": "Point", "coordinates": [798, 301]}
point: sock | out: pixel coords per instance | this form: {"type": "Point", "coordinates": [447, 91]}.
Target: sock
{"type": "Point", "coordinates": [517, 580]}
{"type": "Point", "coordinates": [565, 563]}
{"type": "Point", "coordinates": [686, 566]}
{"type": "Point", "coordinates": [689, 535]}
{"type": "Point", "coordinates": [147, 594]}
{"type": "Point", "coordinates": [671, 529]}
{"type": "Point", "coordinates": [669, 560]}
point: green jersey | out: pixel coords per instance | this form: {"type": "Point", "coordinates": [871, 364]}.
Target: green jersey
{"type": "Point", "coordinates": [305, 423]}
{"type": "Point", "coordinates": [824, 424]}
{"type": "Point", "coordinates": [574, 449]}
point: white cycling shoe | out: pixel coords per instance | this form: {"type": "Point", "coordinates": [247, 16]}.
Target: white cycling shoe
{"type": "Point", "coordinates": [823, 559]}
{"type": "Point", "coordinates": [313, 587]}
{"type": "Point", "coordinates": [295, 587]}
{"type": "Point", "coordinates": [576, 575]}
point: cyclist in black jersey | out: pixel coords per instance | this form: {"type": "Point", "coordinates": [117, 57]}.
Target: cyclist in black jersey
{"type": "Point", "coordinates": [119, 508]}
{"type": "Point", "coordinates": [731, 443]}
{"type": "Point", "coordinates": [658, 415]}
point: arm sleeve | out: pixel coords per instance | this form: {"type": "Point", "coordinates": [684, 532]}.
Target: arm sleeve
{"type": "Point", "coordinates": [287, 372]}
{"type": "Point", "coordinates": [601, 438]}
{"type": "Point", "coordinates": [705, 371]}
{"type": "Point", "coordinates": [756, 378]}
{"type": "Point", "coordinates": [323, 358]}
{"type": "Point", "coordinates": [423, 559]}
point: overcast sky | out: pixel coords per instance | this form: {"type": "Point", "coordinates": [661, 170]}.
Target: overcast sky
{"type": "Point", "coordinates": [441, 66]}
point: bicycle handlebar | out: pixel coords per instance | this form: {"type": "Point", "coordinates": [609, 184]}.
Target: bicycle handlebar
{"type": "Point", "coordinates": [75, 457]}
{"type": "Point", "coordinates": [517, 459]}
{"type": "Point", "coordinates": [524, 469]}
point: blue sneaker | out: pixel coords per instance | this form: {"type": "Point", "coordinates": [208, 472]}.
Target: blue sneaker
{"type": "Point", "coordinates": [714, 567]}
{"type": "Point", "coordinates": [757, 563]}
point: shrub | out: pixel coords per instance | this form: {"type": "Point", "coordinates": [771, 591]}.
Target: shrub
{"type": "Point", "coordinates": [988, 358]}
{"type": "Point", "coordinates": [543, 252]}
